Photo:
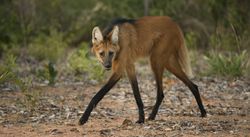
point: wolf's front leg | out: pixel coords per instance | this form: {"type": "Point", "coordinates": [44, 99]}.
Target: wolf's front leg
{"type": "Point", "coordinates": [100, 94]}
{"type": "Point", "coordinates": [133, 81]}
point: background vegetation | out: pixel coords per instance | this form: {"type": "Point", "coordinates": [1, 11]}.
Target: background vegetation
{"type": "Point", "coordinates": [46, 40]}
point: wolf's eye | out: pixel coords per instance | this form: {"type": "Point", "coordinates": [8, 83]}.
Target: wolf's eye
{"type": "Point", "coordinates": [111, 53]}
{"type": "Point", "coordinates": [102, 54]}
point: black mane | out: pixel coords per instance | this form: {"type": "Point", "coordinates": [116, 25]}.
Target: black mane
{"type": "Point", "coordinates": [114, 22]}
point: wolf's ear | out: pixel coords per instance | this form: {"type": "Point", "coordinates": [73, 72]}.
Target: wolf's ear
{"type": "Point", "coordinates": [96, 35]}
{"type": "Point", "coordinates": [115, 37]}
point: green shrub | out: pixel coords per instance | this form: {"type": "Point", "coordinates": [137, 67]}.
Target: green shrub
{"type": "Point", "coordinates": [30, 96]}
{"type": "Point", "coordinates": [6, 49]}
{"type": "Point", "coordinates": [9, 75]}
{"type": "Point", "coordinates": [47, 72]}
{"type": "Point", "coordinates": [48, 47]}
{"type": "Point", "coordinates": [230, 64]}
{"type": "Point", "coordinates": [8, 69]}
{"type": "Point", "coordinates": [191, 40]}
{"type": "Point", "coordinates": [248, 68]}
{"type": "Point", "coordinates": [227, 39]}
{"type": "Point", "coordinates": [79, 62]}
{"type": "Point", "coordinates": [223, 42]}
{"type": "Point", "coordinates": [52, 73]}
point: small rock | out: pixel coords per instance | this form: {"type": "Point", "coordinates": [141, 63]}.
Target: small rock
{"type": "Point", "coordinates": [74, 130]}
{"type": "Point", "coordinates": [52, 116]}
{"type": "Point", "coordinates": [70, 124]}
{"type": "Point", "coordinates": [127, 122]}
{"type": "Point", "coordinates": [55, 132]}
{"type": "Point", "coordinates": [168, 129]}
{"type": "Point", "coordinates": [105, 132]}
{"type": "Point", "coordinates": [147, 127]}
{"type": "Point", "coordinates": [42, 116]}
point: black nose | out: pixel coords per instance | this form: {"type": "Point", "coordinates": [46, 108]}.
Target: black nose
{"type": "Point", "coordinates": [108, 66]}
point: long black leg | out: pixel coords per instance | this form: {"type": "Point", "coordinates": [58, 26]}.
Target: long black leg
{"type": "Point", "coordinates": [135, 88]}
{"type": "Point", "coordinates": [158, 72]}
{"type": "Point", "coordinates": [194, 88]}
{"type": "Point", "coordinates": [159, 99]}
{"type": "Point", "coordinates": [94, 101]}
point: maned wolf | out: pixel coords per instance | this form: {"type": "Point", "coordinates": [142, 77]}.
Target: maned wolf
{"type": "Point", "coordinates": [124, 41]}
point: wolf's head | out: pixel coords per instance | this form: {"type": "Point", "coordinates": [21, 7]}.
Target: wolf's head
{"type": "Point", "coordinates": [105, 48]}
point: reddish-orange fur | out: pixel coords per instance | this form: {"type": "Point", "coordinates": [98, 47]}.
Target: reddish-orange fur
{"type": "Point", "coordinates": [158, 38]}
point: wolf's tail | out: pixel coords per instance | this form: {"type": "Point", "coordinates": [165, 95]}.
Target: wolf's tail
{"type": "Point", "coordinates": [184, 60]}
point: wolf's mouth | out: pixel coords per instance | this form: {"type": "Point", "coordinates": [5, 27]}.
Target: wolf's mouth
{"type": "Point", "coordinates": [107, 68]}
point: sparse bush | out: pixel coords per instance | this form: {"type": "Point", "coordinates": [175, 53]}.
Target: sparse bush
{"type": "Point", "coordinates": [79, 62]}
{"type": "Point", "coordinates": [191, 40]}
{"type": "Point", "coordinates": [8, 75]}
{"type": "Point", "coordinates": [47, 72]}
{"type": "Point", "coordinates": [30, 97]}
{"type": "Point", "coordinates": [52, 73]}
{"type": "Point", "coordinates": [230, 64]}
{"type": "Point", "coordinates": [48, 47]}
{"type": "Point", "coordinates": [7, 70]}
{"type": "Point", "coordinates": [224, 41]}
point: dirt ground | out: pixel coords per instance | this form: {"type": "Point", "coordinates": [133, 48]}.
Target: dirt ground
{"type": "Point", "coordinates": [55, 110]}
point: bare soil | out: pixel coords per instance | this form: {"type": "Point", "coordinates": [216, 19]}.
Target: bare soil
{"type": "Point", "coordinates": [55, 110]}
